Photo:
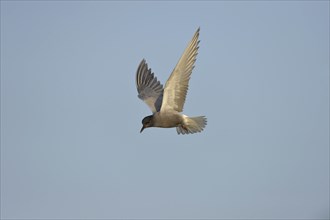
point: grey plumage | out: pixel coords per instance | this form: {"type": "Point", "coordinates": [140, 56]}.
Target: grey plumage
{"type": "Point", "coordinates": [150, 90]}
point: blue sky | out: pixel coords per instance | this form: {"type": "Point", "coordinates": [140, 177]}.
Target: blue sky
{"type": "Point", "coordinates": [70, 116]}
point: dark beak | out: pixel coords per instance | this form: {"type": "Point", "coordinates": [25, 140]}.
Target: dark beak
{"type": "Point", "coordinates": [142, 128]}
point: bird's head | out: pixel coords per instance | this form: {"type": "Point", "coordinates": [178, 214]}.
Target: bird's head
{"type": "Point", "coordinates": [147, 122]}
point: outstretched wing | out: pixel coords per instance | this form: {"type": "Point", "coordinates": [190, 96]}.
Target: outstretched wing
{"type": "Point", "coordinates": [150, 90]}
{"type": "Point", "coordinates": [176, 86]}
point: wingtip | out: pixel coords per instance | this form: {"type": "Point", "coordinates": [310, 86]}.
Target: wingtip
{"type": "Point", "coordinates": [197, 33]}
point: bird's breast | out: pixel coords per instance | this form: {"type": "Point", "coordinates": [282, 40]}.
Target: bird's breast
{"type": "Point", "coordinates": [167, 119]}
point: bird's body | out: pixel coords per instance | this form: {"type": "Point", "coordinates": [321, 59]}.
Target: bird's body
{"type": "Point", "coordinates": [167, 103]}
{"type": "Point", "coordinates": [167, 119]}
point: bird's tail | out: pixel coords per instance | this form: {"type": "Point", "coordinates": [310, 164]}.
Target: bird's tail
{"type": "Point", "coordinates": [192, 125]}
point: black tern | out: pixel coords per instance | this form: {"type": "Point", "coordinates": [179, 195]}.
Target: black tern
{"type": "Point", "coordinates": [167, 103]}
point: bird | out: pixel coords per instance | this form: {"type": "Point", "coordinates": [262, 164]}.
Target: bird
{"type": "Point", "coordinates": [166, 103]}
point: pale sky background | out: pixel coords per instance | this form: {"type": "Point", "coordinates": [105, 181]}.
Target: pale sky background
{"type": "Point", "coordinates": [70, 116]}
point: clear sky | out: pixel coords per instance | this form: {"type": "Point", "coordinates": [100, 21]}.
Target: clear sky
{"type": "Point", "coordinates": [70, 116]}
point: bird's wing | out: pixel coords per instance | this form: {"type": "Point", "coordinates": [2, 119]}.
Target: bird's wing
{"type": "Point", "coordinates": [150, 90]}
{"type": "Point", "coordinates": [176, 87]}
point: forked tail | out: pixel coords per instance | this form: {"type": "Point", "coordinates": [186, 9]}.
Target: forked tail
{"type": "Point", "coordinates": [192, 125]}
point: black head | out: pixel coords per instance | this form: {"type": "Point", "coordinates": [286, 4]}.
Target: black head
{"type": "Point", "coordinates": [147, 122]}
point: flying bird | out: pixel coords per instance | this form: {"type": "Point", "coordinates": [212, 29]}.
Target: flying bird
{"type": "Point", "coordinates": [167, 103]}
